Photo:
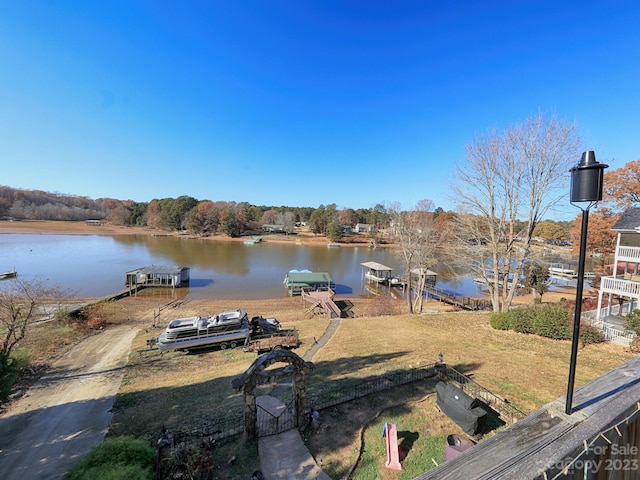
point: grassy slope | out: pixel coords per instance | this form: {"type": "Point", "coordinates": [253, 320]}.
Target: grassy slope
{"type": "Point", "coordinates": [182, 390]}
{"type": "Point", "coordinates": [528, 370]}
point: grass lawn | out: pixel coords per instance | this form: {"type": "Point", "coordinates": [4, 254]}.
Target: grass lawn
{"type": "Point", "coordinates": [181, 390]}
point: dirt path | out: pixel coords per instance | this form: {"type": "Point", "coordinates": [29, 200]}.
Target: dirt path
{"type": "Point", "coordinates": [65, 413]}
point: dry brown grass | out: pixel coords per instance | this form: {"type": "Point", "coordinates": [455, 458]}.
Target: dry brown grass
{"type": "Point", "coordinates": [528, 370]}
{"type": "Point", "coordinates": [179, 389]}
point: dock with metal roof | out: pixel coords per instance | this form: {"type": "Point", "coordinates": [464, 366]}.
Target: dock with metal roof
{"type": "Point", "coordinates": [158, 276]}
{"type": "Point", "coordinates": [296, 280]}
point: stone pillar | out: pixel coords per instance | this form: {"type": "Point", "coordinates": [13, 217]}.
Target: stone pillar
{"type": "Point", "coordinates": [300, 398]}
{"type": "Point", "coordinates": [250, 412]}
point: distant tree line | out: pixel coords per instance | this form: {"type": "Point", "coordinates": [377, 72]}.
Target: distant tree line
{"type": "Point", "coordinates": [201, 217]}
{"type": "Point", "coordinates": [39, 205]}
{"type": "Point", "coordinates": [206, 217]}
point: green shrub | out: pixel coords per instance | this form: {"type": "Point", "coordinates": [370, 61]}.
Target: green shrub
{"type": "Point", "coordinates": [552, 321]}
{"type": "Point", "coordinates": [10, 367]}
{"type": "Point", "coordinates": [632, 322]}
{"type": "Point", "coordinates": [117, 458]}
{"type": "Point", "coordinates": [590, 334]}
{"type": "Point", "coordinates": [522, 319]}
{"type": "Point", "coordinates": [501, 320]}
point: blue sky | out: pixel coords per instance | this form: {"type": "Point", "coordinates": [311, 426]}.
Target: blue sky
{"type": "Point", "coordinates": [300, 103]}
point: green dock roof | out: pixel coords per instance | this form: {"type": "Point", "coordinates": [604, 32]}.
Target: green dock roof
{"type": "Point", "coordinates": [296, 281]}
{"type": "Point", "coordinates": [310, 278]}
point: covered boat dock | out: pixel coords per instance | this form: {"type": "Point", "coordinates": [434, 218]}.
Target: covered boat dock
{"type": "Point", "coordinates": [297, 280]}
{"type": "Point", "coordinates": [158, 276]}
{"type": "Point", "coordinates": [378, 273]}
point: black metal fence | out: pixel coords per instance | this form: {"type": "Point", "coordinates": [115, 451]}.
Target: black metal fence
{"type": "Point", "coordinates": [507, 411]}
{"type": "Point", "coordinates": [232, 421]}
{"type": "Point", "coordinates": [358, 388]}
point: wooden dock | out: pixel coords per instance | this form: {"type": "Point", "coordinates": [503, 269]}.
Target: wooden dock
{"type": "Point", "coordinates": [456, 299]}
{"type": "Point", "coordinates": [443, 295]}
{"type": "Point", "coordinates": [321, 299]}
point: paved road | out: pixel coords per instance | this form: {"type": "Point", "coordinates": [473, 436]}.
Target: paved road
{"type": "Point", "coordinates": [46, 432]}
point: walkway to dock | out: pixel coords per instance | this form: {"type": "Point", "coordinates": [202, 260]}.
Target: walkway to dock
{"type": "Point", "coordinates": [322, 299]}
{"type": "Point", "coordinates": [441, 294]}
{"type": "Point", "coordinates": [456, 299]}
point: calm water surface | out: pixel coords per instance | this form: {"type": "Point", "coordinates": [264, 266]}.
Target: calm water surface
{"type": "Point", "coordinates": [96, 265]}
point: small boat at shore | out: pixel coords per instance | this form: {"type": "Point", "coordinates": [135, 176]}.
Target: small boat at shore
{"type": "Point", "coordinates": [8, 275]}
{"type": "Point", "coordinates": [563, 272]}
{"type": "Point", "coordinates": [253, 241]}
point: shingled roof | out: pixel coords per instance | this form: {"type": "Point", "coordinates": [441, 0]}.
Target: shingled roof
{"type": "Point", "coordinates": [629, 221]}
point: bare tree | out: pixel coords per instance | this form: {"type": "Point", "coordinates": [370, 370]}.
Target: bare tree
{"type": "Point", "coordinates": [20, 305]}
{"type": "Point", "coordinates": [417, 238]}
{"type": "Point", "coordinates": [504, 189]}
{"type": "Point", "coordinates": [287, 219]}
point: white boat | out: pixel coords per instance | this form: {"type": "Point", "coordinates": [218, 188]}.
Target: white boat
{"type": "Point", "coordinates": [9, 274]}
{"type": "Point", "coordinates": [375, 277]}
{"type": "Point", "coordinates": [562, 272]}
{"type": "Point", "coordinates": [253, 241]}
{"type": "Point", "coordinates": [226, 329]}
{"type": "Point", "coordinates": [378, 273]}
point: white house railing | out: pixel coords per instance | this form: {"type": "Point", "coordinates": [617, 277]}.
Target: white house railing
{"type": "Point", "coordinates": [611, 334]}
{"type": "Point", "coordinates": [618, 337]}
{"type": "Point", "coordinates": [592, 315]}
{"type": "Point", "coordinates": [628, 288]}
{"type": "Point", "coordinates": [628, 254]}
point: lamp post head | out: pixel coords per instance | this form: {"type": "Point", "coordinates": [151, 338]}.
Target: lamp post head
{"type": "Point", "coordinates": [587, 179]}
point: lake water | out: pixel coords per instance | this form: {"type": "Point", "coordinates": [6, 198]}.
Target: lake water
{"type": "Point", "coordinates": [96, 265]}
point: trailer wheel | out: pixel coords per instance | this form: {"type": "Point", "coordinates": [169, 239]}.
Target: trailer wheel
{"type": "Point", "coordinates": [233, 345]}
{"type": "Point", "coordinates": [223, 346]}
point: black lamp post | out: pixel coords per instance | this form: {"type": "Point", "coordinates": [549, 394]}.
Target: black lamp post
{"type": "Point", "coordinates": [586, 186]}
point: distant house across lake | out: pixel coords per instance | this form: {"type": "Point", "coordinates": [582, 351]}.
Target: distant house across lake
{"type": "Point", "coordinates": [273, 229]}
{"type": "Point", "coordinates": [364, 228]}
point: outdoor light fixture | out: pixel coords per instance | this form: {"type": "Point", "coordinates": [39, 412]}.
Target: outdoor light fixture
{"type": "Point", "coordinates": [586, 186]}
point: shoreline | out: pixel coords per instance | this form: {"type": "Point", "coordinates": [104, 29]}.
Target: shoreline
{"type": "Point", "coordinates": [66, 227]}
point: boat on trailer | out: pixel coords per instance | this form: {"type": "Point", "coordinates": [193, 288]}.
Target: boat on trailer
{"type": "Point", "coordinates": [226, 329]}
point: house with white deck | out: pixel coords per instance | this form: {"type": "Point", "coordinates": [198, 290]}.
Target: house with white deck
{"type": "Point", "coordinates": [624, 282]}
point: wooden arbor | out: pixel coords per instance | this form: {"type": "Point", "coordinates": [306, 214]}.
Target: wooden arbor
{"type": "Point", "coordinates": [258, 374]}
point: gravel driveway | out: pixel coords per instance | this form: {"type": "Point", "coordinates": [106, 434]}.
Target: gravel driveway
{"type": "Point", "coordinates": [44, 433]}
